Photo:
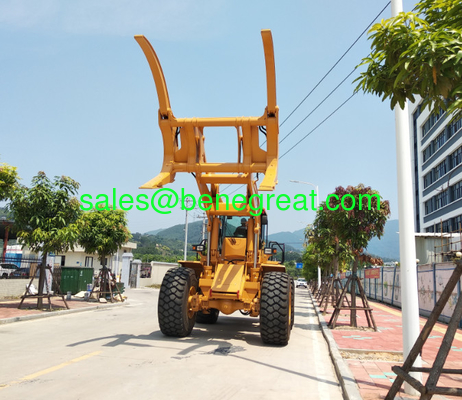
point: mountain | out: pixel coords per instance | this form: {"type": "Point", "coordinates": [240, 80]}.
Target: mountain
{"type": "Point", "coordinates": [176, 232]}
{"type": "Point", "coordinates": [294, 239]}
{"type": "Point", "coordinates": [388, 245]}
{"type": "Point", "coordinates": [155, 232]}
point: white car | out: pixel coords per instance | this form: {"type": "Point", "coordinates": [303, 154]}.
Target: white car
{"type": "Point", "coordinates": [300, 282]}
{"type": "Point", "coordinates": [6, 269]}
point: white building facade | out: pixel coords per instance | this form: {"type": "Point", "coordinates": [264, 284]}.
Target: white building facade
{"type": "Point", "coordinates": [436, 145]}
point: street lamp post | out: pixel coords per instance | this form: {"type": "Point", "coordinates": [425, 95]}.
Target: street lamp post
{"type": "Point", "coordinates": [186, 231]}
{"type": "Point", "coordinates": [317, 207]}
{"type": "Point", "coordinates": [409, 291]}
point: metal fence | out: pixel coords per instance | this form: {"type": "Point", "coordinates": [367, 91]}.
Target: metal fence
{"type": "Point", "coordinates": [29, 268]}
{"type": "Point", "coordinates": [431, 280]}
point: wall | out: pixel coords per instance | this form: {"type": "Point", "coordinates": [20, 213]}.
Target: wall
{"type": "Point", "coordinates": [158, 270]}
{"type": "Point", "coordinates": [13, 287]}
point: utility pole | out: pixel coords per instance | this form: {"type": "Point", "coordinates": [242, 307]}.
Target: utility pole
{"type": "Point", "coordinates": [186, 231]}
{"type": "Point", "coordinates": [204, 218]}
{"type": "Point", "coordinates": [409, 291]}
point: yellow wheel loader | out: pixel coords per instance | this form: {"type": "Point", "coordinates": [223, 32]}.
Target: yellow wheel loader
{"type": "Point", "coordinates": [235, 269]}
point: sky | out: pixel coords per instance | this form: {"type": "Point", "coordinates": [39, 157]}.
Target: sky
{"type": "Point", "coordinates": [77, 96]}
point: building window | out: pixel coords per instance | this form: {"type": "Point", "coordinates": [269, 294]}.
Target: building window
{"type": "Point", "coordinates": [431, 121]}
{"type": "Point", "coordinates": [454, 127]}
{"type": "Point", "coordinates": [437, 202]}
{"type": "Point", "coordinates": [456, 191]}
{"type": "Point", "coordinates": [442, 199]}
{"type": "Point", "coordinates": [456, 157]}
{"type": "Point", "coordinates": [446, 225]}
{"type": "Point", "coordinates": [427, 152]}
{"type": "Point", "coordinates": [456, 223]}
{"type": "Point", "coordinates": [440, 140]}
{"type": "Point", "coordinates": [440, 170]}
{"type": "Point", "coordinates": [89, 262]}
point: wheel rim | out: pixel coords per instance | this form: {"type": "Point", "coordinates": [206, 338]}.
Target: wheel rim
{"type": "Point", "coordinates": [192, 292]}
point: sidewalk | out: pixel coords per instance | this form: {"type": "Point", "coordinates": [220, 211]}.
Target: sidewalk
{"type": "Point", "coordinates": [9, 311]}
{"type": "Point", "coordinates": [370, 355]}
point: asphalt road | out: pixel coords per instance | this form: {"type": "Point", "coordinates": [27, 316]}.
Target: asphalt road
{"type": "Point", "coordinates": [120, 353]}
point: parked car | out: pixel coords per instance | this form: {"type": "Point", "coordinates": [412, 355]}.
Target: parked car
{"type": "Point", "coordinates": [300, 282]}
{"type": "Point", "coordinates": [6, 269]}
{"type": "Point", "coordinates": [20, 273]}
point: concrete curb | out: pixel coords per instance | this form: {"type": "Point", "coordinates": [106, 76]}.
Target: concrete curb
{"type": "Point", "coordinates": [58, 313]}
{"type": "Point", "coordinates": [344, 374]}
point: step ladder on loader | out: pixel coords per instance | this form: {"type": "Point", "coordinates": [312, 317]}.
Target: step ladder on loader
{"type": "Point", "coordinates": [235, 269]}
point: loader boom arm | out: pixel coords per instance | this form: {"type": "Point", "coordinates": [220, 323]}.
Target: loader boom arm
{"type": "Point", "coordinates": [183, 138]}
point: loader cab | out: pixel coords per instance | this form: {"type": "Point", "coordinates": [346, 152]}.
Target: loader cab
{"type": "Point", "coordinates": [232, 242]}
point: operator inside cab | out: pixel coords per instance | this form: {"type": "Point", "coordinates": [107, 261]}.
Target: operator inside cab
{"type": "Point", "coordinates": [241, 231]}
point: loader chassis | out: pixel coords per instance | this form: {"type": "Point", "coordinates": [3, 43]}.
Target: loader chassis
{"type": "Point", "coordinates": [234, 270]}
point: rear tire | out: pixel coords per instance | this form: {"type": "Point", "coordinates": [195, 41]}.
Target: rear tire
{"type": "Point", "coordinates": [175, 317]}
{"type": "Point", "coordinates": [210, 318]}
{"type": "Point", "coordinates": [276, 310]}
{"type": "Point", "coordinates": [292, 302]}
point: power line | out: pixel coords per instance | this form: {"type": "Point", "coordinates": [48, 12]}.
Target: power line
{"type": "Point", "coordinates": [308, 134]}
{"type": "Point", "coordinates": [317, 126]}
{"type": "Point", "coordinates": [340, 59]}
{"type": "Point", "coordinates": [312, 90]}
{"type": "Point", "coordinates": [314, 109]}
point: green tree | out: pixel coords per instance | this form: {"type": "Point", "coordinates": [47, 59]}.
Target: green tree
{"type": "Point", "coordinates": [45, 216]}
{"type": "Point", "coordinates": [311, 260]}
{"type": "Point", "coordinates": [103, 232]}
{"type": "Point", "coordinates": [328, 248]}
{"type": "Point", "coordinates": [418, 54]}
{"type": "Point", "coordinates": [356, 215]}
{"type": "Point", "coordinates": [8, 181]}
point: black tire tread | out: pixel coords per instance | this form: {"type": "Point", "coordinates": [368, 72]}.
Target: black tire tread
{"type": "Point", "coordinates": [173, 301]}
{"type": "Point", "coordinates": [275, 307]}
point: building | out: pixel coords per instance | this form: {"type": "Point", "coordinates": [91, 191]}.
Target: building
{"type": "Point", "coordinates": [76, 257]}
{"type": "Point", "coordinates": [436, 146]}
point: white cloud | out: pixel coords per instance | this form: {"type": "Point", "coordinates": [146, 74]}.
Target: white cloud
{"type": "Point", "coordinates": [161, 19]}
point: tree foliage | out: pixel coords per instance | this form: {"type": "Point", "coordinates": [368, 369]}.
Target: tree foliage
{"type": "Point", "coordinates": [46, 214]}
{"type": "Point", "coordinates": [329, 251]}
{"type": "Point", "coordinates": [46, 217]}
{"type": "Point", "coordinates": [417, 53]}
{"type": "Point", "coordinates": [360, 214]}
{"type": "Point", "coordinates": [8, 181]}
{"type": "Point", "coordinates": [103, 232]}
{"type": "Point", "coordinates": [343, 227]}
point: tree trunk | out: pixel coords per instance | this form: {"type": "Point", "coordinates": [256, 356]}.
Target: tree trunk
{"type": "Point", "coordinates": [353, 322]}
{"type": "Point", "coordinates": [42, 272]}
{"type": "Point", "coordinates": [336, 259]}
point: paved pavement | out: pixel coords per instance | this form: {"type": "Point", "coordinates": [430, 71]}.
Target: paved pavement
{"type": "Point", "coordinates": [120, 353]}
{"type": "Point", "coordinates": [370, 355]}
{"type": "Point", "coordinates": [363, 358]}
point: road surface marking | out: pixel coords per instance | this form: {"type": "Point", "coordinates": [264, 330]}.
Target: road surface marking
{"type": "Point", "coordinates": [51, 369]}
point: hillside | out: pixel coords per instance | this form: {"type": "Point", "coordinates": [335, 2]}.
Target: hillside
{"type": "Point", "coordinates": [170, 242]}
{"type": "Point", "coordinates": [388, 245]}
{"type": "Point", "coordinates": [294, 239]}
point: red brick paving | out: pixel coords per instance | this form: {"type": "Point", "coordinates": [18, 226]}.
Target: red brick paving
{"type": "Point", "coordinates": [374, 378]}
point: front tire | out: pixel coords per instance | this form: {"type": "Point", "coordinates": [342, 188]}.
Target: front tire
{"type": "Point", "coordinates": [174, 313]}
{"type": "Point", "coordinates": [276, 310]}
